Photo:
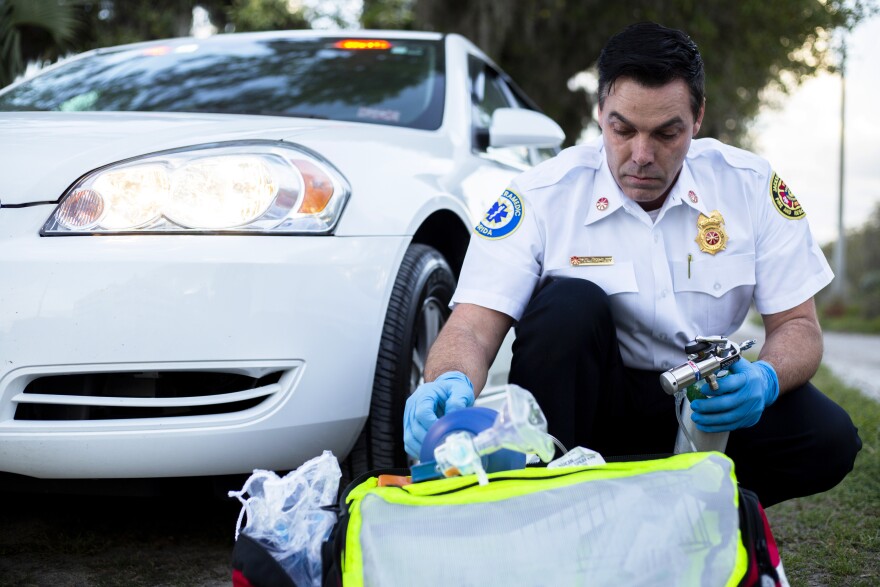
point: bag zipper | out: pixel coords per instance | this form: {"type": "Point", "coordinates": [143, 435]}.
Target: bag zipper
{"type": "Point", "coordinates": [494, 480]}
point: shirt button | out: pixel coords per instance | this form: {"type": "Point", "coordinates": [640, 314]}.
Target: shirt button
{"type": "Point", "coordinates": [656, 238]}
{"type": "Point", "coordinates": [717, 286]}
{"type": "Point", "coordinates": [663, 293]}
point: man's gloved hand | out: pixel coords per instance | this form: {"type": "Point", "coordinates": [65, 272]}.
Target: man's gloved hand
{"type": "Point", "coordinates": [740, 399]}
{"type": "Point", "coordinates": [450, 392]}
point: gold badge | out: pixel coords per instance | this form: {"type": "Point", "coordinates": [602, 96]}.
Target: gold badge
{"type": "Point", "coordinates": [711, 237]}
{"type": "Point", "coordinates": [583, 261]}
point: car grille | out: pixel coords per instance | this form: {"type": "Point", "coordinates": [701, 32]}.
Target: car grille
{"type": "Point", "coordinates": [143, 394]}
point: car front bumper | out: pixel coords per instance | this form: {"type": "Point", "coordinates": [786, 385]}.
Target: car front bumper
{"type": "Point", "coordinates": [307, 309]}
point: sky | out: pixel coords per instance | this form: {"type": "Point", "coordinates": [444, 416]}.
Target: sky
{"type": "Point", "coordinates": [802, 139]}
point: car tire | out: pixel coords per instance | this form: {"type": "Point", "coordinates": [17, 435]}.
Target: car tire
{"type": "Point", "coordinates": [417, 310]}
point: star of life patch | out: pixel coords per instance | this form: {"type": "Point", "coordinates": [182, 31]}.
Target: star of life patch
{"type": "Point", "coordinates": [503, 217]}
{"type": "Point", "coordinates": [784, 200]}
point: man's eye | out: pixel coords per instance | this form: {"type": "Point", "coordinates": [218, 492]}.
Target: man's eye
{"type": "Point", "coordinates": [623, 132]}
{"type": "Point", "coordinates": [667, 136]}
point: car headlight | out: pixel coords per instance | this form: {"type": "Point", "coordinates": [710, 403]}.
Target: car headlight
{"type": "Point", "coordinates": [244, 187]}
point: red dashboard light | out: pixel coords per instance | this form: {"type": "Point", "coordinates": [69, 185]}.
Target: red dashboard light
{"type": "Point", "coordinates": [361, 44]}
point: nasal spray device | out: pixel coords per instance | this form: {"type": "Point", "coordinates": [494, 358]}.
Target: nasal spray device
{"type": "Point", "coordinates": [464, 442]}
{"type": "Point", "coordinates": [708, 358]}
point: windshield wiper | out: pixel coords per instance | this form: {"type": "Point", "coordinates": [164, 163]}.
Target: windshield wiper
{"type": "Point", "coordinates": [300, 115]}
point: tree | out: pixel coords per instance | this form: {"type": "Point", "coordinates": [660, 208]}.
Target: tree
{"type": "Point", "coordinates": [388, 14]}
{"type": "Point", "coordinates": [748, 45]}
{"type": "Point", "coordinates": [263, 15]}
{"type": "Point", "coordinates": [33, 30]}
{"type": "Point", "coordinates": [115, 22]}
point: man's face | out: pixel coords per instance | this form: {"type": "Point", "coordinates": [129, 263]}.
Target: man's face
{"type": "Point", "coordinates": [647, 133]}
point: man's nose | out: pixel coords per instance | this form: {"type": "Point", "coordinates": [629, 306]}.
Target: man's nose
{"type": "Point", "coordinates": [643, 151]}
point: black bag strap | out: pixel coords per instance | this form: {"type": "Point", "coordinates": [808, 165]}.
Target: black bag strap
{"type": "Point", "coordinates": [752, 526]}
{"type": "Point", "coordinates": [257, 565]}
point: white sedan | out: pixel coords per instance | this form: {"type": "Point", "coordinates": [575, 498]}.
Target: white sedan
{"type": "Point", "coordinates": [233, 253]}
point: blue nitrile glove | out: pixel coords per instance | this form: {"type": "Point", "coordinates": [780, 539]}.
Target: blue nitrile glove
{"type": "Point", "coordinates": [740, 399]}
{"type": "Point", "coordinates": [450, 392]}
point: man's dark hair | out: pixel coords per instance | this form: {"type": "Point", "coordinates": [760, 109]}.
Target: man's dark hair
{"type": "Point", "coordinates": [652, 55]}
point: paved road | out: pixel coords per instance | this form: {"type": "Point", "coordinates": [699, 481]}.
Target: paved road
{"type": "Point", "coordinates": [854, 358]}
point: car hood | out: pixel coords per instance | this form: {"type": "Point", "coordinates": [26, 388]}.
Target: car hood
{"type": "Point", "coordinates": [43, 153]}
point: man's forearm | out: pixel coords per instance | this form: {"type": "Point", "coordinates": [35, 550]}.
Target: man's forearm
{"type": "Point", "coordinates": [468, 343]}
{"type": "Point", "coordinates": [793, 346]}
{"type": "Point", "coordinates": [455, 350]}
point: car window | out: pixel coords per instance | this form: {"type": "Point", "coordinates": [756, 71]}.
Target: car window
{"type": "Point", "coordinates": [488, 93]}
{"type": "Point", "coordinates": [394, 82]}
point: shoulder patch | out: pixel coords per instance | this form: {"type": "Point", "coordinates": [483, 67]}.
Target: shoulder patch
{"type": "Point", "coordinates": [503, 217]}
{"type": "Point", "coordinates": [784, 200]}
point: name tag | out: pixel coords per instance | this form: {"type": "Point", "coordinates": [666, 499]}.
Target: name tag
{"type": "Point", "coordinates": [582, 261]}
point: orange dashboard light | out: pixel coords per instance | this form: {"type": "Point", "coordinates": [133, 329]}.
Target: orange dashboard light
{"type": "Point", "coordinates": [359, 44]}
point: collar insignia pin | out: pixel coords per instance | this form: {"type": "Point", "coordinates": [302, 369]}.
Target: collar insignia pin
{"type": "Point", "coordinates": [602, 204]}
{"type": "Point", "coordinates": [693, 197]}
{"type": "Point", "coordinates": [711, 236]}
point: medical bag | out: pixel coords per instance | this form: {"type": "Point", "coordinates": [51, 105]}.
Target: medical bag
{"type": "Point", "coordinates": [681, 520]}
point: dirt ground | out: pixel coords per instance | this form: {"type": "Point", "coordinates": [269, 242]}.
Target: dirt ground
{"type": "Point", "coordinates": [183, 537]}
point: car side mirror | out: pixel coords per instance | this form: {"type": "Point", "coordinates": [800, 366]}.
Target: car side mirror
{"type": "Point", "coordinates": [520, 127]}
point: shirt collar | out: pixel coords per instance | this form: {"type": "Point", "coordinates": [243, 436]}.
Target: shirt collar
{"type": "Point", "coordinates": [607, 197]}
{"type": "Point", "coordinates": [686, 191]}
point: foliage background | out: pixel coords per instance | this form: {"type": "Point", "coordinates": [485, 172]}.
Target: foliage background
{"type": "Point", "coordinates": [748, 46]}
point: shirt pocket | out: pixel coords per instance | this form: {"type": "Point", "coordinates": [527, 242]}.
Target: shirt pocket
{"type": "Point", "coordinates": [614, 279]}
{"type": "Point", "coordinates": [714, 294]}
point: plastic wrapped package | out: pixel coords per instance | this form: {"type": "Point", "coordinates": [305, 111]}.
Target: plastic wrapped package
{"type": "Point", "coordinates": [286, 514]}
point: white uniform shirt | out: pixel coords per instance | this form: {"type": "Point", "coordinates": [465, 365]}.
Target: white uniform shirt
{"type": "Point", "coordinates": [665, 289]}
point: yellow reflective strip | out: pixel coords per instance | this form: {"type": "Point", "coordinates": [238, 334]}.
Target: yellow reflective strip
{"type": "Point", "coordinates": [361, 489]}
{"type": "Point", "coordinates": [741, 566]}
{"type": "Point", "coordinates": [353, 561]}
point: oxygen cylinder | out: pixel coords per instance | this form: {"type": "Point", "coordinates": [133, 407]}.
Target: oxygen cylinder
{"type": "Point", "coordinates": [703, 441]}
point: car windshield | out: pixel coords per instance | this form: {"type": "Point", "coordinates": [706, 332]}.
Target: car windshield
{"type": "Point", "coordinates": [394, 82]}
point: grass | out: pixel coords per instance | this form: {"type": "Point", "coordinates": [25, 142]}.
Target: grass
{"type": "Point", "coordinates": [851, 322]}
{"type": "Point", "coordinates": [856, 316]}
{"type": "Point", "coordinates": [834, 538]}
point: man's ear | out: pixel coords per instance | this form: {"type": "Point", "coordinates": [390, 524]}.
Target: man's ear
{"type": "Point", "coordinates": [699, 121]}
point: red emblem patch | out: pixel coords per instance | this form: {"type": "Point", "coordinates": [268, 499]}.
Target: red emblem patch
{"type": "Point", "coordinates": [785, 202]}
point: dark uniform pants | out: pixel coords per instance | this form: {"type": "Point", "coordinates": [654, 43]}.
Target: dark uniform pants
{"type": "Point", "coordinates": [566, 353]}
